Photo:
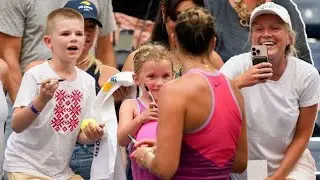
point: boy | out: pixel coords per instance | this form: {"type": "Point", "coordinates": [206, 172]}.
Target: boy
{"type": "Point", "coordinates": [47, 116]}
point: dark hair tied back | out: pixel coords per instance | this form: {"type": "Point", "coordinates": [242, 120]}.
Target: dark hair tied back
{"type": "Point", "coordinates": [195, 30]}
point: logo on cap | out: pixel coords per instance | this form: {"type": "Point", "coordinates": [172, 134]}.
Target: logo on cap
{"type": "Point", "coordinates": [269, 6]}
{"type": "Point", "coordinates": [85, 6]}
{"type": "Point", "coordinates": [85, 3]}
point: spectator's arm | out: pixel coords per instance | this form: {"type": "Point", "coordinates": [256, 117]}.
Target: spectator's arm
{"type": "Point", "coordinates": [10, 48]}
{"type": "Point", "coordinates": [308, 101]}
{"type": "Point", "coordinates": [300, 141]}
{"type": "Point", "coordinates": [104, 51]}
{"type": "Point", "coordinates": [106, 72]}
{"type": "Point", "coordinates": [128, 64]}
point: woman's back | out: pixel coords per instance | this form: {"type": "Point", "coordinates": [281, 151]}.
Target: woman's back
{"type": "Point", "coordinates": [212, 127]}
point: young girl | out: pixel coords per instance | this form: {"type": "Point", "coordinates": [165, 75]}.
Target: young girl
{"type": "Point", "coordinates": [138, 117]}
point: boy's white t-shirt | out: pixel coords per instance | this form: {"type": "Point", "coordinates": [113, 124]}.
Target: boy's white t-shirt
{"type": "Point", "coordinates": [46, 146]}
{"type": "Point", "coordinates": [272, 108]}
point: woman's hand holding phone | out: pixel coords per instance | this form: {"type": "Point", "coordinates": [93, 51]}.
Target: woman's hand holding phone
{"type": "Point", "coordinates": [256, 74]}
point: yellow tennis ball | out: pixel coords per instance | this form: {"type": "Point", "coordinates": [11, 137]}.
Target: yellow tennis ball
{"type": "Point", "coordinates": [86, 122]}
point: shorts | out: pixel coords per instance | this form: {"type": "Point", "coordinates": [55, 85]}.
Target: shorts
{"type": "Point", "coordinates": [24, 176]}
{"type": "Point", "coordinates": [305, 168]}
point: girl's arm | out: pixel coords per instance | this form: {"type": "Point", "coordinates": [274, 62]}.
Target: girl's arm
{"type": "Point", "coordinates": [300, 141]}
{"type": "Point", "coordinates": [129, 123]}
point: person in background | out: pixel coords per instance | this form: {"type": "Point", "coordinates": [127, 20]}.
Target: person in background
{"type": "Point", "coordinates": [138, 117]}
{"type": "Point", "coordinates": [21, 35]}
{"type": "Point", "coordinates": [138, 17]}
{"type": "Point", "coordinates": [82, 154]}
{"type": "Point", "coordinates": [3, 109]}
{"type": "Point", "coordinates": [207, 134]}
{"type": "Point", "coordinates": [232, 18]}
{"type": "Point", "coordinates": [164, 27]}
{"type": "Point", "coordinates": [281, 96]}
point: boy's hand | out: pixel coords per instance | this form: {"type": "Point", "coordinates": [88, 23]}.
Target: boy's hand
{"type": "Point", "coordinates": [47, 89]}
{"type": "Point", "coordinates": [150, 113]}
{"type": "Point", "coordinates": [94, 132]}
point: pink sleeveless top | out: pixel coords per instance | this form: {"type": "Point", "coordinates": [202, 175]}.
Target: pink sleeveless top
{"type": "Point", "coordinates": [208, 153]}
{"type": "Point", "coordinates": [147, 131]}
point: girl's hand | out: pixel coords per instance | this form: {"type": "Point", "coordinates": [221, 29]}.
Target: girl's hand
{"type": "Point", "coordinates": [153, 105]}
{"type": "Point", "coordinates": [150, 114]}
{"type": "Point", "coordinates": [47, 89]}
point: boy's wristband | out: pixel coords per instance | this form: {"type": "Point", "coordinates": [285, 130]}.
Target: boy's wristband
{"type": "Point", "coordinates": [34, 109]}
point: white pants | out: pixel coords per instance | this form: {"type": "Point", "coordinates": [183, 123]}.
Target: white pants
{"type": "Point", "coordinates": [305, 168]}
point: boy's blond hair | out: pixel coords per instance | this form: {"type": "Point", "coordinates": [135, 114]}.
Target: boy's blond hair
{"type": "Point", "coordinates": [59, 14]}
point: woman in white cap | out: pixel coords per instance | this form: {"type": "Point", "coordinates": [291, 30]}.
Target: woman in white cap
{"type": "Point", "coordinates": [232, 19]}
{"type": "Point", "coordinates": [281, 97]}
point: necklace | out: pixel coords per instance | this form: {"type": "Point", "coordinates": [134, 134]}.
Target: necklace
{"type": "Point", "coordinates": [243, 13]}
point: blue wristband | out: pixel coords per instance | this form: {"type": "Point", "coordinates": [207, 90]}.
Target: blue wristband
{"type": "Point", "coordinates": [34, 109]}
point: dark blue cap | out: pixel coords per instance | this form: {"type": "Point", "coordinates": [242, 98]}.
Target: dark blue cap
{"type": "Point", "coordinates": [86, 8]}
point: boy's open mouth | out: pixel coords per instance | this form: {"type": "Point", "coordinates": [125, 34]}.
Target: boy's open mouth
{"type": "Point", "coordinates": [73, 48]}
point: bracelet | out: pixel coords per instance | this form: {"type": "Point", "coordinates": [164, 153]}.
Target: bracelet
{"type": "Point", "coordinates": [34, 109]}
{"type": "Point", "coordinates": [144, 162]}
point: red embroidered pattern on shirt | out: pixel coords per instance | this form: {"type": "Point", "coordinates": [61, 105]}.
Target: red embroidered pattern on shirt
{"type": "Point", "coordinates": [67, 110]}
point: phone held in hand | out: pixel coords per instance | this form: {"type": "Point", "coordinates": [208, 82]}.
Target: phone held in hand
{"type": "Point", "coordinates": [259, 54]}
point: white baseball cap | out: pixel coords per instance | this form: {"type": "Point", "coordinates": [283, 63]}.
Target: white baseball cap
{"type": "Point", "coordinates": [271, 8]}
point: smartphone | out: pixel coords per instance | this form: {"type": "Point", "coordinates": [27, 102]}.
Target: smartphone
{"type": "Point", "coordinates": [125, 41]}
{"type": "Point", "coordinates": [259, 54]}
